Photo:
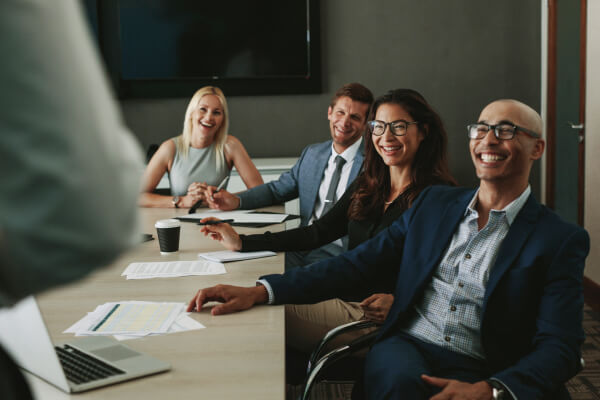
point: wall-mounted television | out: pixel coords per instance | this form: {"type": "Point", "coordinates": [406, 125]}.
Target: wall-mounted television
{"type": "Point", "coordinates": [170, 48]}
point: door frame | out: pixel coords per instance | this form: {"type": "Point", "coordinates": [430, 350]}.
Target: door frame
{"type": "Point", "coordinates": [548, 101]}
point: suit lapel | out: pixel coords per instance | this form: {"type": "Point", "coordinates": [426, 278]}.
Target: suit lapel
{"type": "Point", "coordinates": [357, 165]}
{"type": "Point", "coordinates": [315, 177]}
{"type": "Point", "coordinates": [515, 239]}
{"type": "Point", "coordinates": [439, 240]}
{"type": "Point", "coordinates": [426, 252]}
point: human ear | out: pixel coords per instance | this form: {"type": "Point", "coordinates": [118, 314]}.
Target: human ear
{"type": "Point", "coordinates": [538, 149]}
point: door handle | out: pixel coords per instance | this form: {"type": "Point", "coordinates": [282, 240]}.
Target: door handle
{"type": "Point", "coordinates": [579, 127]}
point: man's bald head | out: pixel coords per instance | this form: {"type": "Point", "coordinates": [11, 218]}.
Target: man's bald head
{"type": "Point", "coordinates": [520, 114]}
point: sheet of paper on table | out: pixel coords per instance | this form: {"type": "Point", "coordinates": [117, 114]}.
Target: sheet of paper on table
{"type": "Point", "coordinates": [172, 269]}
{"type": "Point", "coordinates": [139, 318]}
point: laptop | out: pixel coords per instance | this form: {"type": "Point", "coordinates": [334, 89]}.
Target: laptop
{"type": "Point", "coordinates": [75, 366]}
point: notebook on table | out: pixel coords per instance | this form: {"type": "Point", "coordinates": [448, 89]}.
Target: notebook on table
{"type": "Point", "coordinates": [75, 366]}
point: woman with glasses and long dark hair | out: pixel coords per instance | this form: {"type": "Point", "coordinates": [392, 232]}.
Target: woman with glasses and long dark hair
{"type": "Point", "coordinates": [405, 151]}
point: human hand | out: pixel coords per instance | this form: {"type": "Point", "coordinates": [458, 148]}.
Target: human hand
{"type": "Point", "coordinates": [221, 200]}
{"type": "Point", "coordinates": [377, 306]}
{"type": "Point", "coordinates": [222, 233]}
{"type": "Point", "coordinates": [197, 188]}
{"type": "Point", "coordinates": [457, 390]}
{"type": "Point", "coordinates": [189, 200]}
{"type": "Point", "coordinates": [233, 298]}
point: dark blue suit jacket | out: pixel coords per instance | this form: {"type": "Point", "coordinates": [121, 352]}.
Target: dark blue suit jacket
{"type": "Point", "coordinates": [533, 306]}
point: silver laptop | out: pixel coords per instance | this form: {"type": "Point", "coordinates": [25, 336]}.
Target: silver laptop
{"type": "Point", "coordinates": [78, 365]}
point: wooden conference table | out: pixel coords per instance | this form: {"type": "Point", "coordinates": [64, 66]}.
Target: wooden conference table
{"type": "Point", "coordinates": [237, 356]}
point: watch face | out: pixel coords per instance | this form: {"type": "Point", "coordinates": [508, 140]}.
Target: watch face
{"type": "Point", "coordinates": [497, 394]}
{"type": "Point", "coordinates": [175, 199]}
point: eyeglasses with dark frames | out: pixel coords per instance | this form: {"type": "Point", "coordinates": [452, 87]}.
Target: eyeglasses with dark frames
{"type": "Point", "coordinates": [398, 128]}
{"type": "Point", "coordinates": [502, 131]}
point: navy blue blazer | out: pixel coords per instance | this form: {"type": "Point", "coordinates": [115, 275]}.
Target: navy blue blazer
{"type": "Point", "coordinates": [303, 181]}
{"type": "Point", "coordinates": [532, 313]}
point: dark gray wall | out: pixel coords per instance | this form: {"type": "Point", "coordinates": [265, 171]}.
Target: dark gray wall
{"type": "Point", "coordinates": [460, 54]}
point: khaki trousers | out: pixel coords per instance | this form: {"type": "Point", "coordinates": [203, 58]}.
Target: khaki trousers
{"type": "Point", "coordinates": [306, 324]}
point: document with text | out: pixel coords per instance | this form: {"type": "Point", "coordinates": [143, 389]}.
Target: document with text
{"type": "Point", "coordinates": [128, 318]}
{"type": "Point", "coordinates": [172, 269]}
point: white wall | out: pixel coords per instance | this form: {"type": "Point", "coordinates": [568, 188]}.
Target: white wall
{"type": "Point", "coordinates": [592, 147]}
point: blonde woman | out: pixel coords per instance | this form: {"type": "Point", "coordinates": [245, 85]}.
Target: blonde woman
{"type": "Point", "coordinates": [202, 155]}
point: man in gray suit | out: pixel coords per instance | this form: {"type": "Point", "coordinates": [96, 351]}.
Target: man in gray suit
{"type": "Point", "coordinates": [321, 174]}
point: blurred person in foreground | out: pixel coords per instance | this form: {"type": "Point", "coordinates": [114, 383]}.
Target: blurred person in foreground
{"type": "Point", "coordinates": [70, 167]}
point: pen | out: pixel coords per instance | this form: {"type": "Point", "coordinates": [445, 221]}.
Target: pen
{"type": "Point", "coordinates": [222, 184]}
{"type": "Point", "coordinates": [213, 222]}
{"type": "Point", "coordinates": [197, 204]}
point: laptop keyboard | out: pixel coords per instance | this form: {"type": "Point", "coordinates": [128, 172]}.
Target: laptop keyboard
{"type": "Point", "coordinates": [81, 368]}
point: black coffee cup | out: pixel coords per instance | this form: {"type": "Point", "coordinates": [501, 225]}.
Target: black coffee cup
{"type": "Point", "coordinates": [168, 235]}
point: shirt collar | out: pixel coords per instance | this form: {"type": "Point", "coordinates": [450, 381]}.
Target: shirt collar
{"type": "Point", "coordinates": [511, 210]}
{"type": "Point", "coordinates": [349, 153]}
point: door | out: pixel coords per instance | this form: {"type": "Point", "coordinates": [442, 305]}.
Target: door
{"type": "Point", "coordinates": [565, 130]}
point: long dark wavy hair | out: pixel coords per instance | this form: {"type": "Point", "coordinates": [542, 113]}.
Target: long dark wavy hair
{"type": "Point", "coordinates": [429, 167]}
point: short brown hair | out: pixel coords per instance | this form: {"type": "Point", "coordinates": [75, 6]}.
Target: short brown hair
{"type": "Point", "coordinates": [356, 92]}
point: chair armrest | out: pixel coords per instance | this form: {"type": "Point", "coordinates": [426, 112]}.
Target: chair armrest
{"type": "Point", "coordinates": [313, 374]}
{"type": "Point", "coordinates": [345, 328]}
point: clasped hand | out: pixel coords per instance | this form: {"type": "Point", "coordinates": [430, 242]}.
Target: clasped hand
{"type": "Point", "coordinates": [457, 390]}
{"type": "Point", "coordinates": [195, 193]}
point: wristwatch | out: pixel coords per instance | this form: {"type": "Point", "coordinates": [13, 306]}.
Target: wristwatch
{"type": "Point", "coordinates": [498, 392]}
{"type": "Point", "coordinates": [175, 201]}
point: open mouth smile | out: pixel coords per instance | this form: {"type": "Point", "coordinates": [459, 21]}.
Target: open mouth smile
{"type": "Point", "coordinates": [491, 157]}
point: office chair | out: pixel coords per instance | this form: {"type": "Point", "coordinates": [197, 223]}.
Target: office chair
{"type": "Point", "coordinates": [318, 364]}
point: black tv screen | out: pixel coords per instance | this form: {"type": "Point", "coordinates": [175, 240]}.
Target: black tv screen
{"type": "Point", "coordinates": [170, 48]}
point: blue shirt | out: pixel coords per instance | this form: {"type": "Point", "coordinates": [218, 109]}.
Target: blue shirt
{"type": "Point", "coordinates": [449, 313]}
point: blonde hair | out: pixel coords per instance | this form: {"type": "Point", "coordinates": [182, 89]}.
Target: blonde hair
{"type": "Point", "coordinates": [183, 141]}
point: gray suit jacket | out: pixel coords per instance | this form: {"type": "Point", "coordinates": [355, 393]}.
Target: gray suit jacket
{"type": "Point", "coordinates": [303, 181]}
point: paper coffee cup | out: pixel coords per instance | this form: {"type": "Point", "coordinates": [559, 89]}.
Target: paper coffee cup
{"type": "Point", "coordinates": [167, 231]}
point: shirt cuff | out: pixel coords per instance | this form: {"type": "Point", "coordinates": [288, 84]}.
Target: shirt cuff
{"type": "Point", "coordinates": [269, 290]}
{"type": "Point", "coordinates": [512, 395]}
{"type": "Point", "coordinates": [240, 205]}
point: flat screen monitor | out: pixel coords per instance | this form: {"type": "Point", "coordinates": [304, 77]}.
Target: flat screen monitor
{"type": "Point", "coordinates": [169, 48]}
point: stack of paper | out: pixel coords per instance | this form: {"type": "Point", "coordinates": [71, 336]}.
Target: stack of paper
{"type": "Point", "coordinates": [228, 255]}
{"type": "Point", "coordinates": [148, 270]}
{"type": "Point", "coordinates": [130, 319]}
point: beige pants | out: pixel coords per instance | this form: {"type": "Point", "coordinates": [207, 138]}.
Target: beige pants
{"type": "Point", "coordinates": [306, 324]}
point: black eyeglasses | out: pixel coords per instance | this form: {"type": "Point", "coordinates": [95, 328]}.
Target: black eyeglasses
{"type": "Point", "coordinates": [398, 128]}
{"type": "Point", "coordinates": [501, 131]}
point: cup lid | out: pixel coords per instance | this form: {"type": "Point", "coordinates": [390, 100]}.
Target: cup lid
{"type": "Point", "coordinates": [167, 223]}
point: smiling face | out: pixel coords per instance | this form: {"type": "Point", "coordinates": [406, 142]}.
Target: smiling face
{"type": "Point", "coordinates": [507, 161]}
{"type": "Point", "coordinates": [396, 151]}
{"type": "Point", "coordinates": [207, 118]}
{"type": "Point", "coordinates": [347, 121]}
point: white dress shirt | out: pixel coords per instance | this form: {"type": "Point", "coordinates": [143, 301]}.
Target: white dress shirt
{"type": "Point", "coordinates": [349, 155]}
